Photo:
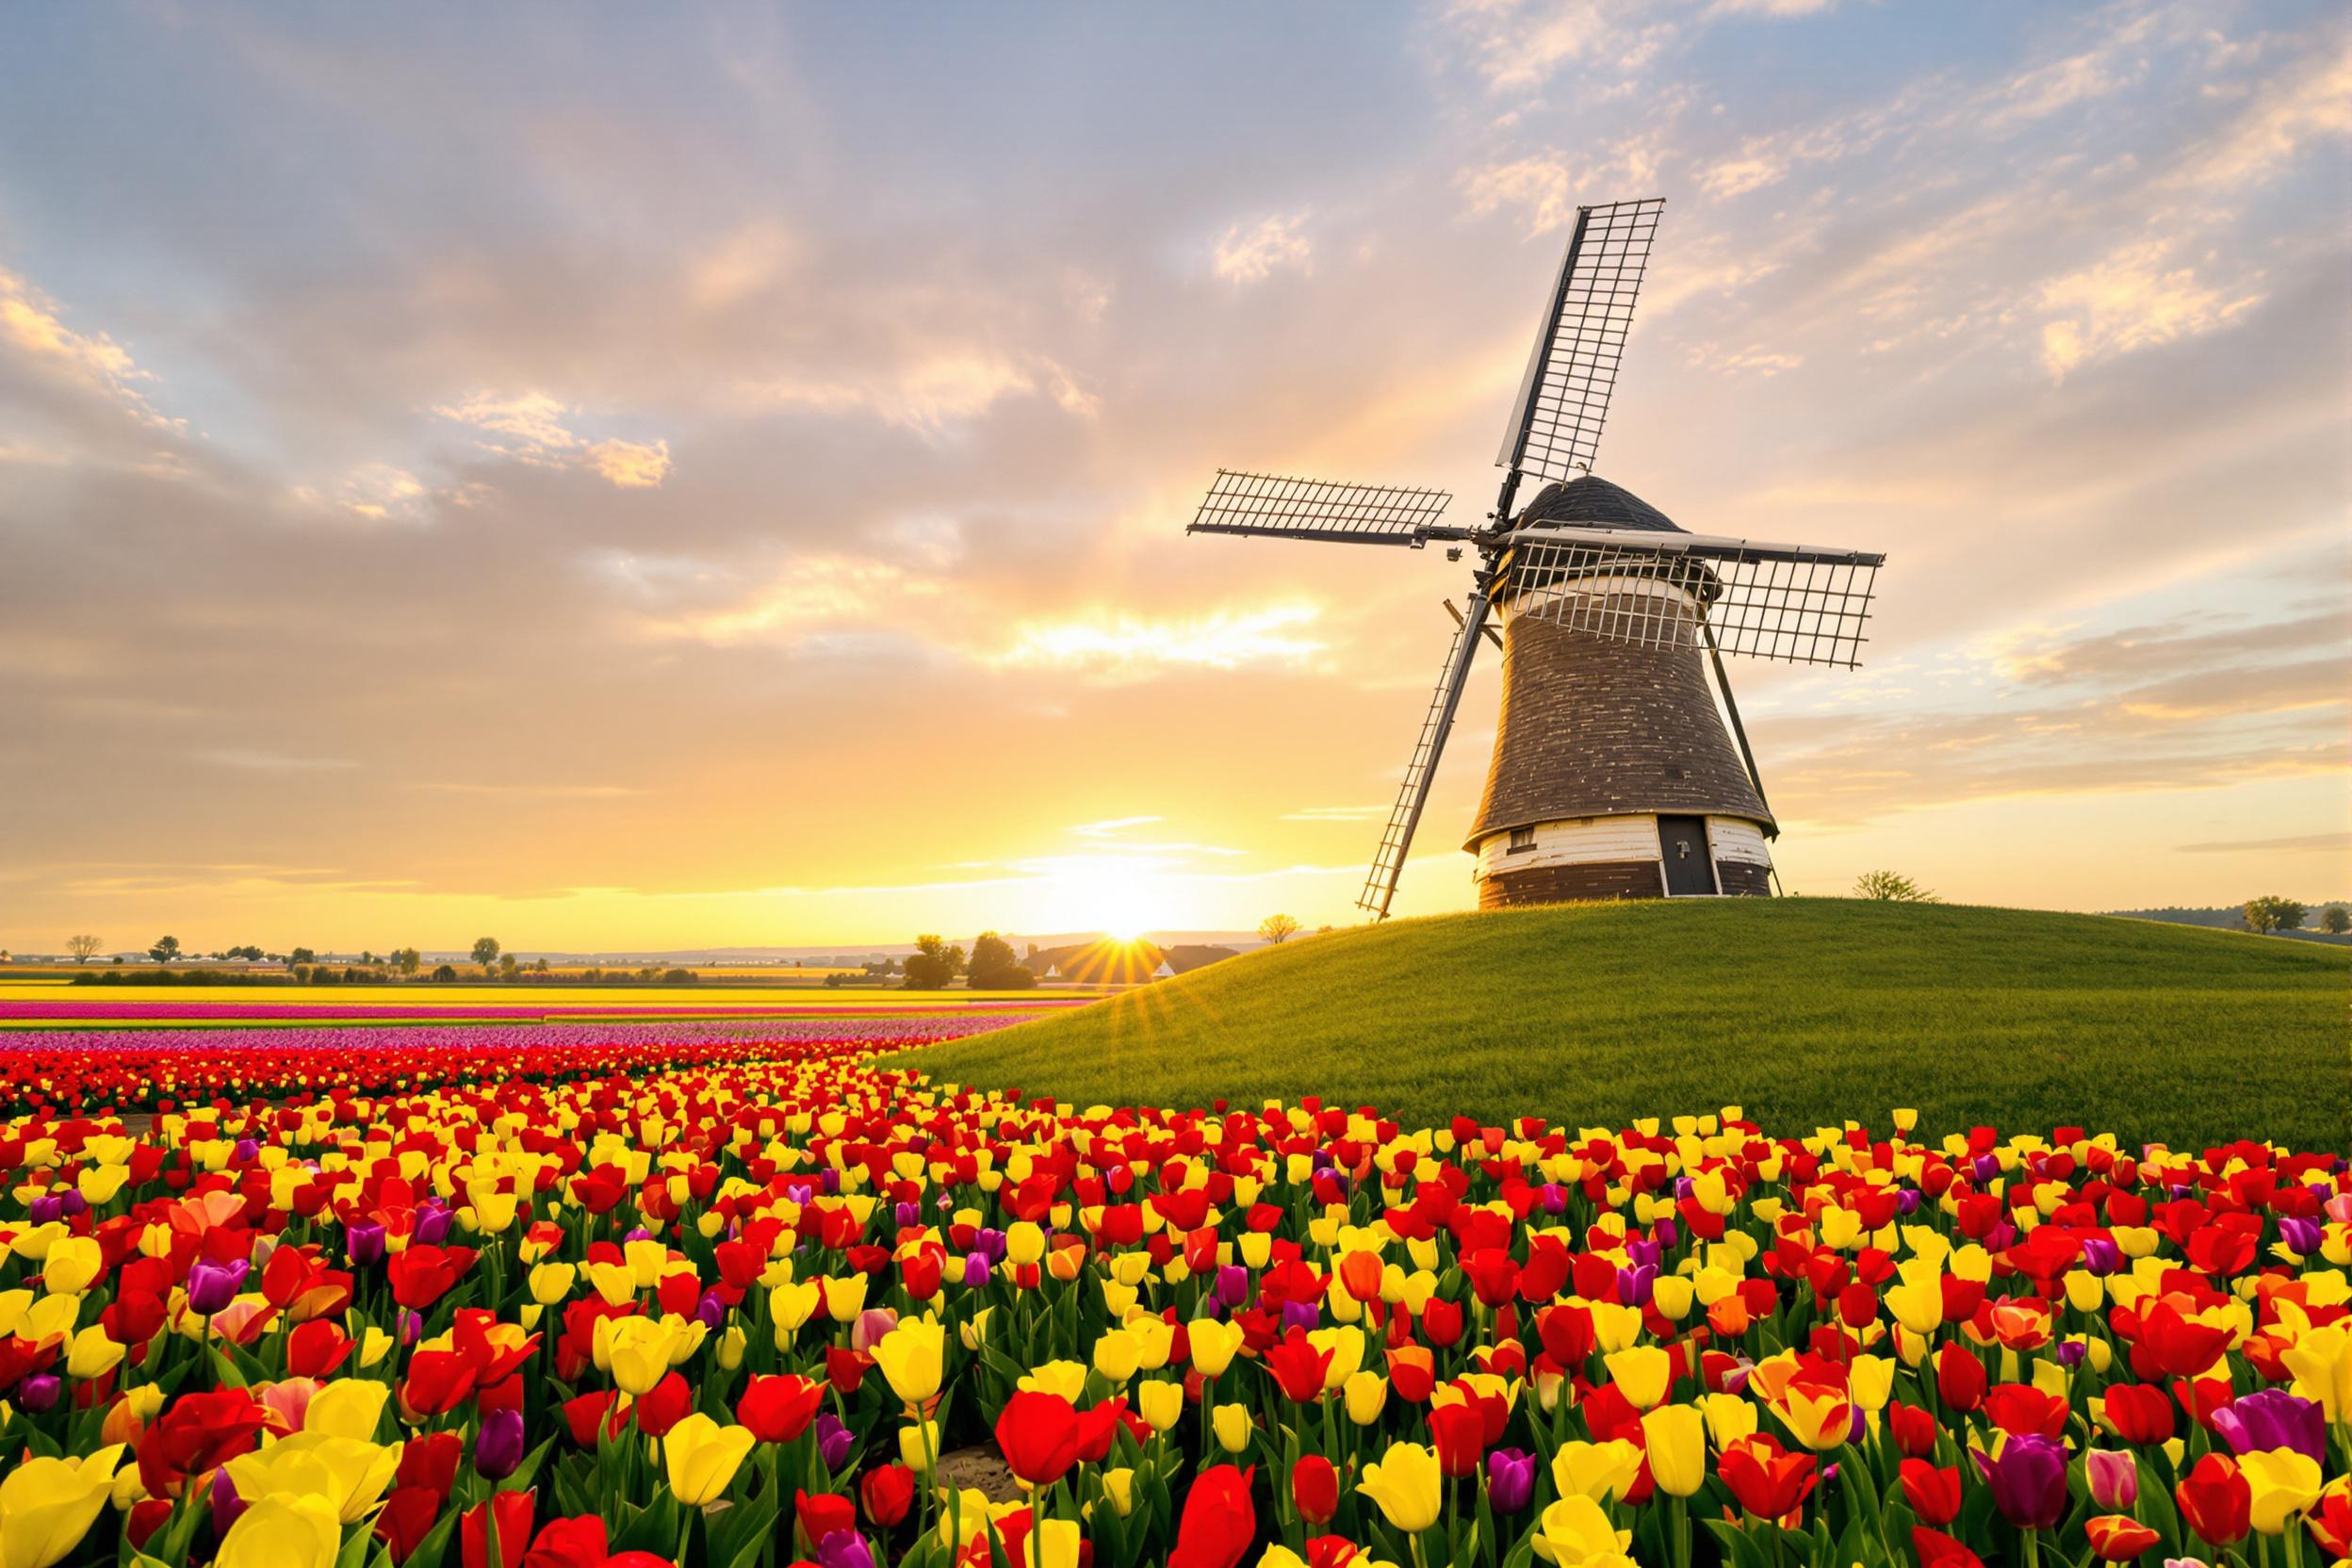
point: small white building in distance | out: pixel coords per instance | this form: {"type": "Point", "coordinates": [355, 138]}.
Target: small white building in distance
{"type": "Point", "coordinates": [1163, 973]}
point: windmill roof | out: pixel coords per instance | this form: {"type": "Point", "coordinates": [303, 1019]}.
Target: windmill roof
{"type": "Point", "coordinates": [1589, 500]}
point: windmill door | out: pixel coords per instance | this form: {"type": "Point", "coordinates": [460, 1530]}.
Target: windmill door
{"type": "Point", "coordinates": [1689, 869]}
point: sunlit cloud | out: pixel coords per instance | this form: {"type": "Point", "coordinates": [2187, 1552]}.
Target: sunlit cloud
{"type": "Point", "coordinates": [1128, 647]}
{"type": "Point", "coordinates": [1110, 826]}
{"type": "Point", "coordinates": [2133, 297]}
{"type": "Point", "coordinates": [31, 325]}
{"type": "Point", "coordinates": [531, 428]}
{"type": "Point", "coordinates": [1252, 252]}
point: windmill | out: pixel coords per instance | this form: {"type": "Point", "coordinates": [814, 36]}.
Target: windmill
{"type": "Point", "coordinates": [1613, 775]}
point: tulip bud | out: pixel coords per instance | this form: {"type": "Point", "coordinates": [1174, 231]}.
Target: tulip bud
{"type": "Point", "coordinates": [499, 1446]}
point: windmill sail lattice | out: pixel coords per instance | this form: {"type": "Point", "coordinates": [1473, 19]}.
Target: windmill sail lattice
{"type": "Point", "coordinates": [1555, 428]}
{"type": "Point", "coordinates": [1293, 508]}
{"type": "Point", "coordinates": [1379, 887]}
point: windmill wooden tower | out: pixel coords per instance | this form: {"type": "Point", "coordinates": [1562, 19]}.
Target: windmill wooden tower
{"type": "Point", "coordinates": [1614, 774]}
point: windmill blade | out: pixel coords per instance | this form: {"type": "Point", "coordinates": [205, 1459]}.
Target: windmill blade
{"type": "Point", "coordinates": [1421, 771]}
{"type": "Point", "coordinates": [1554, 425]}
{"type": "Point", "coordinates": [1799, 604]}
{"type": "Point", "coordinates": [1291, 507]}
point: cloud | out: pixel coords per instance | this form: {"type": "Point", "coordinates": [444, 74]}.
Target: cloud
{"type": "Point", "coordinates": [271, 761]}
{"type": "Point", "coordinates": [1337, 813]}
{"type": "Point", "coordinates": [2303, 843]}
{"type": "Point", "coordinates": [31, 325]}
{"type": "Point", "coordinates": [1110, 825]}
{"type": "Point", "coordinates": [1124, 646]}
{"type": "Point", "coordinates": [1265, 247]}
{"type": "Point", "coordinates": [531, 428]}
{"type": "Point", "coordinates": [2133, 297]}
{"type": "Point", "coordinates": [928, 396]}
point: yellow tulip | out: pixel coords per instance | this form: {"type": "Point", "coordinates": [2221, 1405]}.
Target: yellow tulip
{"type": "Point", "coordinates": [914, 1358]}
{"type": "Point", "coordinates": [636, 1350]}
{"type": "Point", "coordinates": [791, 1304]}
{"type": "Point", "coordinates": [1055, 1545]}
{"type": "Point", "coordinates": [616, 1283]}
{"type": "Point", "coordinates": [93, 1353]}
{"type": "Point", "coordinates": [1213, 1344]}
{"type": "Point", "coordinates": [914, 1451]}
{"type": "Point", "coordinates": [1819, 1419]}
{"type": "Point", "coordinates": [1729, 1418]}
{"type": "Point", "coordinates": [1642, 1373]}
{"type": "Point", "coordinates": [1065, 1378]}
{"type": "Point", "coordinates": [2321, 1363]}
{"type": "Point", "coordinates": [350, 1473]}
{"type": "Point", "coordinates": [1365, 1395]}
{"type": "Point", "coordinates": [1230, 1422]}
{"type": "Point", "coordinates": [975, 1331]}
{"type": "Point", "coordinates": [1575, 1530]}
{"type": "Point", "coordinates": [844, 1297]}
{"type": "Point", "coordinates": [1407, 1485]}
{"type": "Point", "coordinates": [282, 1532]}
{"type": "Point", "coordinates": [48, 1504]}
{"type": "Point", "coordinates": [1596, 1469]}
{"type": "Point", "coordinates": [1346, 1347]}
{"type": "Point", "coordinates": [1025, 1243]}
{"type": "Point", "coordinates": [553, 1281]}
{"type": "Point", "coordinates": [1160, 1404]}
{"type": "Point", "coordinates": [2284, 1483]}
{"type": "Point", "coordinates": [348, 1407]}
{"type": "Point", "coordinates": [701, 1457]}
{"type": "Point", "coordinates": [1119, 1487]}
{"type": "Point", "coordinates": [73, 1264]}
{"type": "Point", "coordinates": [1675, 1438]}
{"type": "Point", "coordinates": [1116, 1354]}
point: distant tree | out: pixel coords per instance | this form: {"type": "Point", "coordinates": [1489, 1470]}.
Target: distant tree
{"type": "Point", "coordinates": [165, 950]}
{"type": "Point", "coordinates": [680, 977]}
{"type": "Point", "coordinates": [993, 968]}
{"type": "Point", "coordinates": [933, 964]}
{"type": "Point", "coordinates": [83, 948]}
{"type": "Point", "coordinates": [302, 956]}
{"type": "Point", "coordinates": [408, 960]}
{"type": "Point", "coordinates": [445, 974]}
{"type": "Point", "coordinates": [1277, 928]}
{"type": "Point", "coordinates": [1892, 886]}
{"type": "Point", "coordinates": [485, 951]}
{"type": "Point", "coordinates": [539, 968]}
{"type": "Point", "coordinates": [507, 966]}
{"type": "Point", "coordinates": [2335, 919]}
{"type": "Point", "coordinates": [2273, 913]}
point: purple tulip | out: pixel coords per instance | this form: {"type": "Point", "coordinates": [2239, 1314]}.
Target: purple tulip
{"type": "Point", "coordinates": [227, 1506]}
{"type": "Point", "coordinates": [2071, 1353]}
{"type": "Point", "coordinates": [909, 1213]}
{"type": "Point", "coordinates": [1301, 1314]}
{"type": "Point", "coordinates": [1633, 1285]}
{"type": "Point", "coordinates": [831, 1180]}
{"type": "Point", "coordinates": [1232, 1284]}
{"type": "Point", "coordinates": [1907, 1202]}
{"type": "Point", "coordinates": [1510, 1480]}
{"type": "Point", "coordinates": [710, 1311]}
{"type": "Point", "coordinates": [1644, 1254]}
{"type": "Point", "coordinates": [45, 1210]}
{"type": "Point", "coordinates": [433, 1224]}
{"type": "Point", "coordinates": [213, 1285]}
{"type": "Point", "coordinates": [74, 1203]}
{"type": "Point", "coordinates": [246, 1149]}
{"type": "Point", "coordinates": [2301, 1235]}
{"type": "Point", "coordinates": [499, 1446]}
{"type": "Point", "coordinates": [2272, 1418]}
{"type": "Point", "coordinates": [412, 1327]}
{"type": "Point", "coordinates": [1554, 1198]}
{"type": "Point", "coordinates": [40, 1393]}
{"type": "Point", "coordinates": [977, 1271]}
{"type": "Point", "coordinates": [2115, 1479]}
{"type": "Point", "coordinates": [2101, 1255]}
{"type": "Point", "coordinates": [1665, 1233]}
{"type": "Point", "coordinates": [2029, 1480]}
{"type": "Point", "coordinates": [844, 1549]}
{"type": "Point", "coordinates": [834, 1441]}
{"type": "Point", "coordinates": [363, 1243]}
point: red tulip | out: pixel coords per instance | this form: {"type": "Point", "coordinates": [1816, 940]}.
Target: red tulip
{"type": "Point", "coordinates": [1458, 1434]}
{"type": "Point", "coordinates": [1960, 1379]}
{"type": "Point", "coordinates": [887, 1494]}
{"type": "Point", "coordinates": [1315, 1487]}
{"type": "Point", "coordinates": [822, 1515]}
{"type": "Point", "coordinates": [2118, 1536]}
{"type": "Point", "coordinates": [1769, 1483]}
{"type": "Point", "coordinates": [1914, 1430]}
{"type": "Point", "coordinates": [2215, 1500]}
{"type": "Point", "coordinates": [430, 1461]}
{"type": "Point", "coordinates": [408, 1516]}
{"type": "Point", "coordinates": [1038, 1434]}
{"type": "Point", "coordinates": [1937, 1550]}
{"type": "Point", "coordinates": [1299, 1367]}
{"type": "Point", "coordinates": [2140, 1414]}
{"type": "Point", "coordinates": [2018, 1409]}
{"type": "Point", "coordinates": [664, 1406]}
{"type": "Point", "coordinates": [1933, 1494]}
{"type": "Point", "coordinates": [779, 1409]}
{"type": "Point", "coordinates": [511, 1511]}
{"type": "Point", "coordinates": [1219, 1522]}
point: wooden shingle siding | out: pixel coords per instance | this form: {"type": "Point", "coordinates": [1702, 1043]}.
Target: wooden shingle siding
{"type": "Point", "coordinates": [1592, 727]}
{"type": "Point", "coordinates": [1743, 880]}
{"type": "Point", "coordinates": [1570, 883]}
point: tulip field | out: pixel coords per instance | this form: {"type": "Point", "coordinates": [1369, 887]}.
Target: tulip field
{"type": "Point", "coordinates": [566, 1296]}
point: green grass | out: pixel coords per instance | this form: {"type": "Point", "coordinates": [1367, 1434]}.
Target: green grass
{"type": "Point", "coordinates": [1805, 1012]}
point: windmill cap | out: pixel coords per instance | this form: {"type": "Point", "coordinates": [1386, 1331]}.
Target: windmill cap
{"type": "Point", "coordinates": [1591, 501]}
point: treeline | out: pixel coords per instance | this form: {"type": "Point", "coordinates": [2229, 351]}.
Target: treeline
{"type": "Point", "coordinates": [992, 965]}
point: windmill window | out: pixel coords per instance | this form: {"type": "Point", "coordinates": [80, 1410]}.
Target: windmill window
{"type": "Point", "coordinates": [1521, 838]}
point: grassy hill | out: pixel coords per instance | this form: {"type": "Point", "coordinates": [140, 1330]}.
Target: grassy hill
{"type": "Point", "coordinates": [1804, 1012]}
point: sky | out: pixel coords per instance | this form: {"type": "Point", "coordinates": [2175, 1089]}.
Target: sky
{"type": "Point", "coordinates": [637, 478]}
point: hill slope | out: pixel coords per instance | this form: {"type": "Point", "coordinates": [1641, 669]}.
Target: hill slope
{"type": "Point", "coordinates": [1802, 1011]}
